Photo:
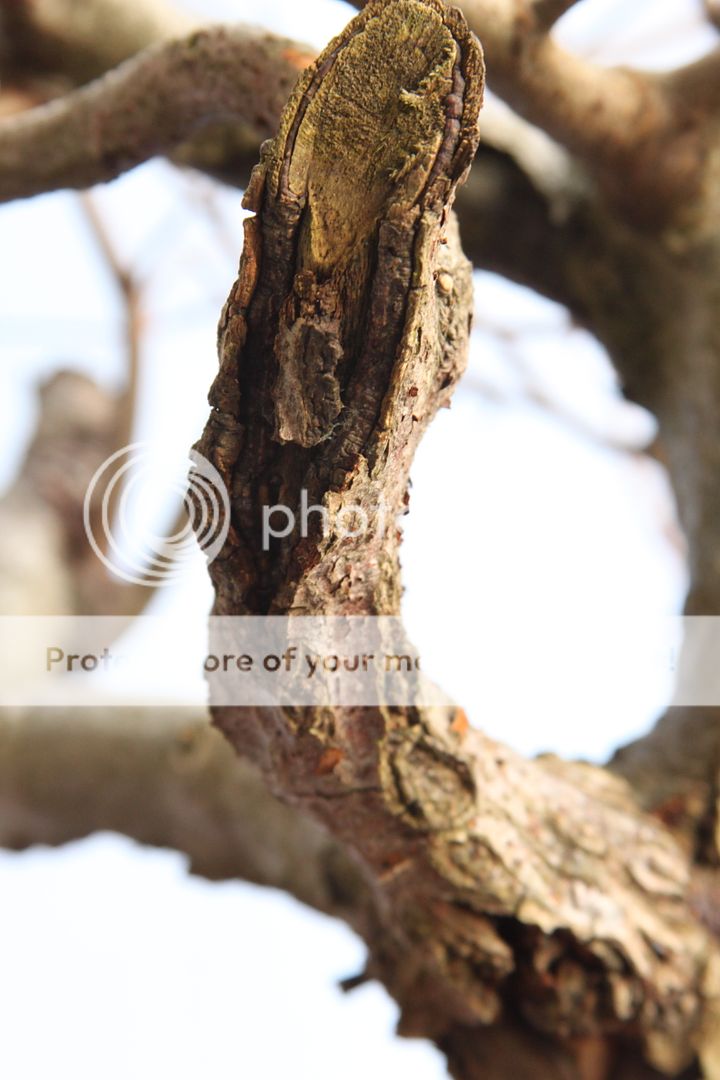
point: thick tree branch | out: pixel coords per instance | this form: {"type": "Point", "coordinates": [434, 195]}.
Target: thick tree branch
{"type": "Point", "coordinates": [80, 41]}
{"type": "Point", "coordinates": [164, 777]}
{"type": "Point", "coordinates": [695, 88]}
{"type": "Point", "coordinates": [712, 10]}
{"type": "Point", "coordinates": [615, 120]}
{"type": "Point", "coordinates": [547, 12]}
{"type": "Point", "coordinates": [147, 106]}
{"type": "Point", "coordinates": [498, 878]}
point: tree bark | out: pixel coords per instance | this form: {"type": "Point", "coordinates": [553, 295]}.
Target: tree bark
{"type": "Point", "coordinates": [541, 884]}
{"type": "Point", "coordinates": [528, 916]}
{"type": "Point", "coordinates": [165, 777]}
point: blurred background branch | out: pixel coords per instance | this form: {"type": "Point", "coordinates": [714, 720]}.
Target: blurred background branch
{"type": "Point", "coordinates": [597, 191]}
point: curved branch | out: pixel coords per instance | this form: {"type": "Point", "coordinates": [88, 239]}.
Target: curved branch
{"type": "Point", "coordinates": [645, 138]}
{"type": "Point", "coordinates": [547, 12]}
{"type": "Point", "coordinates": [712, 10]}
{"type": "Point", "coordinates": [79, 42]}
{"type": "Point", "coordinates": [498, 879]}
{"type": "Point", "coordinates": [148, 106]}
{"type": "Point", "coordinates": [595, 112]}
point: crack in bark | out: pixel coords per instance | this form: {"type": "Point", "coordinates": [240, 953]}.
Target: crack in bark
{"type": "Point", "coordinates": [589, 894]}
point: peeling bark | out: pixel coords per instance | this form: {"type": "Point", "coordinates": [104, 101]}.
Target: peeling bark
{"type": "Point", "coordinates": [529, 916]}
{"type": "Point", "coordinates": [501, 880]}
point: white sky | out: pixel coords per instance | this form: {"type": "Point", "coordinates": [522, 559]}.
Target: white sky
{"type": "Point", "coordinates": [128, 967]}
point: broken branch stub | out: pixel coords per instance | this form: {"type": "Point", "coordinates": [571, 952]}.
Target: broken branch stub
{"type": "Point", "coordinates": [496, 879]}
{"type": "Point", "coordinates": [337, 344]}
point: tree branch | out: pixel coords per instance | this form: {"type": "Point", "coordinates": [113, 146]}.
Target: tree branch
{"type": "Point", "coordinates": [165, 777]}
{"type": "Point", "coordinates": [539, 254]}
{"type": "Point", "coordinates": [499, 879]}
{"type": "Point", "coordinates": [147, 106]}
{"type": "Point", "coordinates": [547, 12]}
{"type": "Point", "coordinates": [712, 10]}
{"type": "Point", "coordinates": [695, 88]}
{"type": "Point", "coordinates": [79, 42]}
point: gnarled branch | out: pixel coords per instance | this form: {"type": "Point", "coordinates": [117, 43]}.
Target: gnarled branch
{"type": "Point", "coordinates": [344, 333]}
{"type": "Point", "coordinates": [539, 253]}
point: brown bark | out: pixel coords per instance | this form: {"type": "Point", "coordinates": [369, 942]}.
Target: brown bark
{"type": "Point", "coordinates": [531, 916]}
{"type": "Point", "coordinates": [712, 10]}
{"type": "Point", "coordinates": [500, 880]}
{"type": "Point", "coordinates": [72, 42]}
{"type": "Point", "coordinates": [510, 222]}
{"type": "Point", "coordinates": [165, 777]}
{"type": "Point", "coordinates": [147, 106]}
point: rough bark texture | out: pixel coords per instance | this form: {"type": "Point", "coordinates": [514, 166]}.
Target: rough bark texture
{"type": "Point", "coordinates": [529, 916]}
{"type": "Point", "coordinates": [510, 889]}
{"type": "Point", "coordinates": [147, 106]}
